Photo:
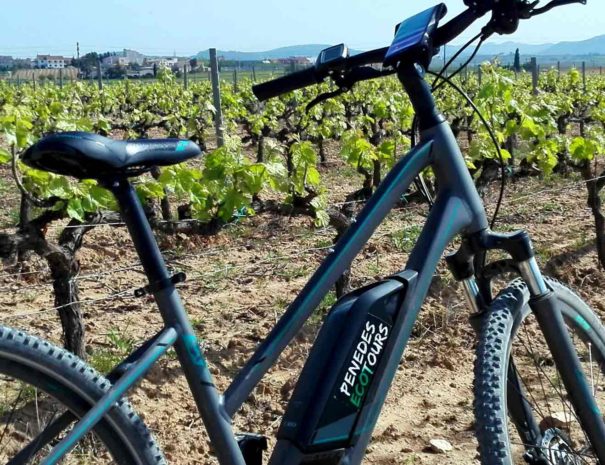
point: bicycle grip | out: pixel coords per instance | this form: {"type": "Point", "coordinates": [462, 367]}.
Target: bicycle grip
{"type": "Point", "coordinates": [285, 84]}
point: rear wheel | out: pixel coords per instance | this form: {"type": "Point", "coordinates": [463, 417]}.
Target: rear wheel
{"type": "Point", "coordinates": [44, 388]}
{"type": "Point", "coordinates": [511, 342]}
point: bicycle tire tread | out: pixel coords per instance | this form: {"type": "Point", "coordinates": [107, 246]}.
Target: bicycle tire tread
{"type": "Point", "coordinates": [63, 367]}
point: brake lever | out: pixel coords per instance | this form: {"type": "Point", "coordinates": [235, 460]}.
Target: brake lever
{"type": "Point", "coordinates": [325, 96]}
{"type": "Point", "coordinates": [554, 4]}
{"type": "Point", "coordinates": [346, 80]}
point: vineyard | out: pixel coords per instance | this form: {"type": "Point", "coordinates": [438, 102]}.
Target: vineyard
{"type": "Point", "coordinates": [251, 219]}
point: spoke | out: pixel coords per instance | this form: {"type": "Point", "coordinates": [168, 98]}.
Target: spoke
{"type": "Point", "coordinates": [37, 410]}
{"type": "Point", "coordinates": [10, 417]}
{"type": "Point", "coordinates": [558, 391]}
{"type": "Point", "coordinates": [530, 353]}
{"type": "Point", "coordinates": [52, 430]}
{"type": "Point", "coordinates": [563, 401]}
{"type": "Point", "coordinates": [577, 454]}
{"type": "Point", "coordinates": [562, 397]}
{"type": "Point", "coordinates": [535, 407]}
{"type": "Point", "coordinates": [601, 368]}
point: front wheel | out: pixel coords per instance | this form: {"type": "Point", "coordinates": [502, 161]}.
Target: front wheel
{"type": "Point", "coordinates": [43, 390]}
{"type": "Point", "coordinates": [522, 409]}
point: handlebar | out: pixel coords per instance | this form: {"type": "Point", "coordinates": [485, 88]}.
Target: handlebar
{"type": "Point", "coordinates": [309, 76]}
{"type": "Point", "coordinates": [505, 19]}
{"type": "Point", "coordinates": [456, 26]}
{"type": "Point", "coordinates": [288, 83]}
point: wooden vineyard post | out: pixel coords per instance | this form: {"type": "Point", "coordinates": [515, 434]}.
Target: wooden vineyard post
{"type": "Point", "coordinates": [185, 77]}
{"type": "Point", "coordinates": [99, 75]}
{"type": "Point", "coordinates": [253, 73]}
{"type": "Point", "coordinates": [534, 75]}
{"type": "Point", "coordinates": [235, 79]}
{"type": "Point", "coordinates": [479, 74]}
{"type": "Point", "coordinates": [559, 68]}
{"type": "Point", "coordinates": [584, 76]}
{"type": "Point", "coordinates": [34, 80]}
{"type": "Point", "coordinates": [216, 94]}
{"type": "Point", "coordinates": [61, 78]}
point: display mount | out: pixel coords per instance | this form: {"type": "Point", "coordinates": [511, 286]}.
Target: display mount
{"type": "Point", "coordinates": [413, 37]}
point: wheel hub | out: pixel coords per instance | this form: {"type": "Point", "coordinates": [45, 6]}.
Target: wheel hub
{"type": "Point", "coordinates": [555, 447]}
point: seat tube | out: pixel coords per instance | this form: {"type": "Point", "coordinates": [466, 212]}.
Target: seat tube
{"type": "Point", "coordinates": [139, 229]}
{"type": "Point", "coordinates": [195, 367]}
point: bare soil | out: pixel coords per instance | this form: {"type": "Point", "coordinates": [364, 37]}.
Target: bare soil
{"type": "Point", "coordinates": [240, 282]}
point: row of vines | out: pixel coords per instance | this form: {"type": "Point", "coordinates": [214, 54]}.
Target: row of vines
{"type": "Point", "coordinates": [273, 156]}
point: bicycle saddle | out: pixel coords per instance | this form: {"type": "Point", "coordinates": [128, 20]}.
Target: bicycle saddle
{"type": "Point", "coordinates": [90, 156]}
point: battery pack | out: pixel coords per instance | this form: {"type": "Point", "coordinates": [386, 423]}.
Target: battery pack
{"type": "Point", "coordinates": [343, 364]}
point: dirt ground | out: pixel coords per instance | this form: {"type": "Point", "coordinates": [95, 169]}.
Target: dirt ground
{"type": "Point", "coordinates": [241, 280]}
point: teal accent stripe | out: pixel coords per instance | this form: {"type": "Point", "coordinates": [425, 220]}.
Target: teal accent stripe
{"type": "Point", "coordinates": [193, 349]}
{"type": "Point", "coordinates": [181, 146]}
{"type": "Point", "coordinates": [334, 439]}
{"type": "Point", "coordinates": [583, 323]}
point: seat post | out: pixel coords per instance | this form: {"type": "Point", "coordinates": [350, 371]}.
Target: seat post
{"type": "Point", "coordinates": [139, 229]}
{"type": "Point", "coordinates": [208, 401]}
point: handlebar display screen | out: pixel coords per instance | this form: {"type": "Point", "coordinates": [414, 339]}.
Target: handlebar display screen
{"type": "Point", "coordinates": [412, 32]}
{"type": "Point", "coordinates": [333, 53]}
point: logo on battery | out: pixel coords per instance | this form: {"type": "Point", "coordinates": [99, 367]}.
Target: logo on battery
{"type": "Point", "coordinates": [361, 369]}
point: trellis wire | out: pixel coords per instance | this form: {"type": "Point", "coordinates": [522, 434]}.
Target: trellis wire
{"type": "Point", "coordinates": [213, 252]}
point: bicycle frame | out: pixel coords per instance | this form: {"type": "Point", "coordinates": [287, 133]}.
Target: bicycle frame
{"type": "Point", "coordinates": [457, 210]}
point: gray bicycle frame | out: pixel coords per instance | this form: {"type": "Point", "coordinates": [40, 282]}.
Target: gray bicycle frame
{"type": "Point", "coordinates": [457, 210]}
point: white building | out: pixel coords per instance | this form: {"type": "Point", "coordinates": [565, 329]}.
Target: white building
{"type": "Point", "coordinates": [163, 62]}
{"type": "Point", "coordinates": [49, 62]}
{"type": "Point", "coordinates": [116, 60]}
{"type": "Point", "coordinates": [143, 72]}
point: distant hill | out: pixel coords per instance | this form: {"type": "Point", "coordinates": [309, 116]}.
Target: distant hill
{"type": "Point", "coordinates": [566, 51]}
{"type": "Point", "coordinates": [308, 50]}
{"type": "Point", "coordinates": [594, 46]}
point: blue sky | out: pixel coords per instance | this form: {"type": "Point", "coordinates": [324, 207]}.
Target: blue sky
{"type": "Point", "coordinates": [188, 26]}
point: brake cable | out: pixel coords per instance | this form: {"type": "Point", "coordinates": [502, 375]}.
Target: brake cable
{"type": "Point", "coordinates": [454, 57]}
{"type": "Point", "coordinates": [492, 137]}
{"type": "Point", "coordinates": [437, 85]}
{"type": "Point", "coordinates": [419, 181]}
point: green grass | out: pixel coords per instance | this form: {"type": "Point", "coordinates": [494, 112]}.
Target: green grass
{"type": "Point", "coordinates": [405, 240]}
{"type": "Point", "coordinates": [20, 394]}
{"type": "Point", "coordinates": [293, 272]}
{"type": "Point", "coordinates": [11, 214]}
{"type": "Point", "coordinates": [120, 345]}
{"type": "Point", "coordinates": [324, 308]}
{"type": "Point", "coordinates": [584, 239]}
{"type": "Point", "coordinates": [374, 269]}
{"type": "Point", "coordinates": [544, 254]}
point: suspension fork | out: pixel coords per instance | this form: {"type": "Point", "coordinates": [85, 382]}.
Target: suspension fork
{"type": "Point", "coordinates": [545, 307]}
